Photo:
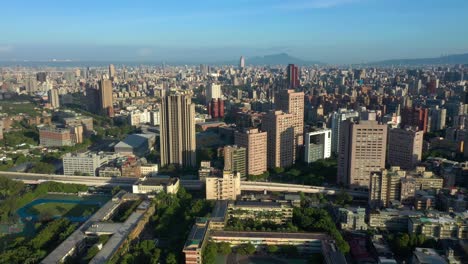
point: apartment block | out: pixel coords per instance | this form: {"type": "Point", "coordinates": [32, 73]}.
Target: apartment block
{"type": "Point", "coordinates": [255, 143]}
{"type": "Point", "coordinates": [281, 144]}
{"type": "Point", "coordinates": [405, 147]}
{"type": "Point", "coordinates": [235, 160]}
{"type": "Point", "coordinates": [226, 187]}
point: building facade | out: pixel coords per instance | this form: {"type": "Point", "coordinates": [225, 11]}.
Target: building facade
{"type": "Point", "coordinates": [281, 144]}
{"type": "Point", "coordinates": [362, 151]}
{"type": "Point", "coordinates": [226, 187]}
{"type": "Point", "coordinates": [235, 160]}
{"type": "Point", "coordinates": [178, 144]}
{"type": "Point", "coordinates": [405, 147]}
{"type": "Point", "coordinates": [255, 143]}
{"type": "Point", "coordinates": [317, 145]}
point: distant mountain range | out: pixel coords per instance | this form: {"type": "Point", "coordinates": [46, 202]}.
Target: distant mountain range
{"type": "Point", "coordinates": [450, 59]}
{"type": "Point", "coordinates": [273, 59]}
{"type": "Point", "coordinates": [278, 59]}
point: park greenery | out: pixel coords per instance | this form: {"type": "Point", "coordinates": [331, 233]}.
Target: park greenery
{"type": "Point", "coordinates": [212, 249]}
{"type": "Point", "coordinates": [16, 195]}
{"type": "Point", "coordinates": [319, 220]}
{"type": "Point", "coordinates": [171, 224]}
{"type": "Point", "coordinates": [316, 173]}
{"type": "Point", "coordinates": [23, 250]}
{"type": "Point", "coordinates": [250, 224]}
{"type": "Point", "coordinates": [125, 210]}
{"type": "Point", "coordinates": [405, 244]}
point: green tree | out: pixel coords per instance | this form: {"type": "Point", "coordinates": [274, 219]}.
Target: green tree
{"type": "Point", "coordinates": [278, 170]}
{"type": "Point", "coordinates": [343, 198]}
{"type": "Point", "coordinates": [209, 253]}
{"type": "Point", "coordinates": [272, 249]}
{"type": "Point", "coordinates": [224, 248]}
{"type": "Point", "coordinates": [171, 258]}
{"type": "Point", "coordinates": [42, 167]}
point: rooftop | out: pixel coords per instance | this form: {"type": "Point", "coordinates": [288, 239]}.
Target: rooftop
{"type": "Point", "coordinates": [256, 204]}
{"type": "Point", "coordinates": [278, 235]}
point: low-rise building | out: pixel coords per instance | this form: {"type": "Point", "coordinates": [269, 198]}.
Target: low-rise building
{"type": "Point", "coordinates": [148, 170]}
{"type": "Point", "coordinates": [427, 255]}
{"type": "Point", "coordinates": [196, 241]}
{"type": "Point", "coordinates": [226, 187]}
{"type": "Point", "coordinates": [50, 136]}
{"type": "Point", "coordinates": [305, 242]}
{"type": "Point", "coordinates": [279, 213]}
{"type": "Point", "coordinates": [136, 144]}
{"type": "Point", "coordinates": [156, 185]}
{"type": "Point", "coordinates": [352, 218]}
{"type": "Point", "coordinates": [85, 163]}
{"type": "Point", "coordinates": [440, 226]}
{"type": "Point", "coordinates": [391, 220]}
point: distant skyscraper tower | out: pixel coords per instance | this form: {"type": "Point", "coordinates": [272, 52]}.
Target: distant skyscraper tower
{"type": "Point", "coordinates": [105, 97]}
{"type": "Point", "coordinates": [111, 71]}
{"type": "Point", "coordinates": [54, 98]}
{"type": "Point", "coordinates": [293, 76]}
{"type": "Point", "coordinates": [178, 131]}
{"type": "Point", "coordinates": [242, 62]}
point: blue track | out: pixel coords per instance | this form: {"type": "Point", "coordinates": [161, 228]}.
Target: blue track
{"type": "Point", "coordinates": [23, 211]}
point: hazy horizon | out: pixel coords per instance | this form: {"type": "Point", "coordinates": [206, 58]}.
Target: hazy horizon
{"type": "Point", "coordinates": [329, 31]}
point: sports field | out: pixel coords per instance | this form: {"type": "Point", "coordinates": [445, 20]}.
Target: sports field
{"type": "Point", "coordinates": [76, 209]}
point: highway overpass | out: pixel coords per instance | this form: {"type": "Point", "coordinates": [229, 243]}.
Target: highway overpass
{"type": "Point", "coordinates": [32, 178]}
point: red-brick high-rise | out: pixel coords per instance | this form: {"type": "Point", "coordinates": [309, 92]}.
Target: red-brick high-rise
{"type": "Point", "coordinates": [293, 76]}
{"type": "Point", "coordinates": [216, 108]}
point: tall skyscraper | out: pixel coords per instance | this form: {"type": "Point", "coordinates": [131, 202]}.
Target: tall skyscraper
{"type": "Point", "coordinates": [178, 131]}
{"type": "Point", "coordinates": [213, 91]}
{"type": "Point", "coordinates": [405, 147]}
{"type": "Point", "coordinates": [54, 98]}
{"type": "Point", "coordinates": [281, 144]}
{"type": "Point", "coordinates": [292, 103]}
{"type": "Point", "coordinates": [111, 71]}
{"type": "Point", "coordinates": [362, 151]}
{"type": "Point", "coordinates": [106, 104]}
{"type": "Point", "coordinates": [242, 63]}
{"type": "Point", "coordinates": [293, 76]}
{"type": "Point", "coordinates": [255, 142]}
{"type": "Point", "coordinates": [235, 160]}
{"type": "Point", "coordinates": [337, 119]}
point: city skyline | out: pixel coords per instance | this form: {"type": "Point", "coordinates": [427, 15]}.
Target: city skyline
{"type": "Point", "coordinates": [330, 31]}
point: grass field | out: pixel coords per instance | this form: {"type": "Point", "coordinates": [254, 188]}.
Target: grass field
{"type": "Point", "coordinates": [73, 207]}
{"type": "Point", "coordinates": [63, 209]}
{"type": "Point", "coordinates": [13, 108]}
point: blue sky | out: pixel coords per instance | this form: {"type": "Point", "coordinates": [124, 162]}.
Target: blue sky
{"type": "Point", "coordinates": [333, 31]}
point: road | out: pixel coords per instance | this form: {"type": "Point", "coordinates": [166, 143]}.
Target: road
{"type": "Point", "coordinates": [32, 178]}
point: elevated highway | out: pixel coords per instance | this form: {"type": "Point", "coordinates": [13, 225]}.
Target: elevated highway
{"type": "Point", "coordinates": [33, 178]}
